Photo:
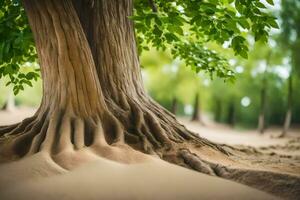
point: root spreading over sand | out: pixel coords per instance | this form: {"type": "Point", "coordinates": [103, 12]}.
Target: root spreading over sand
{"type": "Point", "coordinates": [117, 171]}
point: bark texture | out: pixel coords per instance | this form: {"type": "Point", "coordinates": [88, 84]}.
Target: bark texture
{"type": "Point", "coordinates": [94, 103]}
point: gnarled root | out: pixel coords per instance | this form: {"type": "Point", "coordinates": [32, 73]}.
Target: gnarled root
{"type": "Point", "coordinates": [281, 184]}
{"type": "Point", "coordinates": [122, 133]}
{"type": "Point", "coordinates": [70, 140]}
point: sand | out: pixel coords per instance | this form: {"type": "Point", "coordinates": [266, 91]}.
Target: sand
{"type": "Point", "coordinates": [104, 179]}
{"type": "Point", "coordinates": [38, 177]}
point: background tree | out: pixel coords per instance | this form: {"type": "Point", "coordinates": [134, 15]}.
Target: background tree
{"type": "Point", "coordinates": [290, 41]}
{"type": "Point", "coordinates": [263, 97]}
{"type": "Point", "coordinates": [9, 104]}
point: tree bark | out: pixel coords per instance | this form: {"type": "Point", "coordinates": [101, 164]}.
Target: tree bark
{"type": "Point", "coordinates": [73, 112]}
{"type": "Point", "coordinates": [92, 85]}
{"type": "Point", "coordinates": [111, 36]}
{"type": "Point", "coordinates": [94, 103]}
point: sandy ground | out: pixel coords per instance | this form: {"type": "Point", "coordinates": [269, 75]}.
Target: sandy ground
{"type": "Point", "coordinates": [104, 179]}
{"type": "Point", "coordinates": [37, 177]}
{"type": "Point", "coordinates": [268, 142]}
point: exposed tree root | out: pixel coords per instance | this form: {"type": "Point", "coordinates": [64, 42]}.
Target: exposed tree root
{"type": "Point", "coordinates": [281, 184]}
{"type": "Point", "coordinates": [121, 134]}
{"type": "Point", "coordinates": [70, 140]}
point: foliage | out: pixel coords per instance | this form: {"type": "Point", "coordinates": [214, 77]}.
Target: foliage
{"type": "Point", "coordinates": [16, 46]}
{"type": "Point", "coordinates": [290, 31]}
{"type": "Point", "coordinates": [183, 26]}
{"type": "Point", "coordinates": [187, 26]}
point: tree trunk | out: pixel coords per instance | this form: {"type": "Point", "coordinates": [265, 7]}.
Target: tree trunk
{"type": "Point", "coordinates": [94, 103]}
{"type": "Point", "coordinates": [218, 110]}
{"type": "Point", "coordinates": [148, 126]}
{"type": "Point", "coordinates": [231, 114]}
{"type": "Point", "coordinates": [174, 106]}
{"type": "Point", "coordinates": [73, 112]}
{"type": "Point", "coordinates": [261, 118]}
{"type": "Point", "coordinates": [263, 93]}
{"type": "Point", "coordinates": [288, 116]}
{"type": "Point", "coordinates": [92, 86]}
{"type": "Point", "coordinates": [9, 103]}
{"type": "Point", "coordinates": [197, 111]}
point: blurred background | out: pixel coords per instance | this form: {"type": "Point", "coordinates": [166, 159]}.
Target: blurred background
{"type": "Point", "coordinates": [262, 102]}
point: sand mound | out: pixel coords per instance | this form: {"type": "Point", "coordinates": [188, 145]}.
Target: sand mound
{"type": "Point", "coordinates": [104, 179]}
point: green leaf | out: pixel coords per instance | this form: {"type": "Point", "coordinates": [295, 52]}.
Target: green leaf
{"type": "Point", "coordinates": [244, 23]}
{"type": "Point", "coordinates": [270, 2]}
{"type": "Point", "coordinates": [273, 23]}
{"type": "Point", "coordinates": [244, 54]}
{"type": "Point", "coordinates": [260, 5]}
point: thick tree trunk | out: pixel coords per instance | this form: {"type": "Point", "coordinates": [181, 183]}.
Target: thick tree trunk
{"type": "Point", "coordinates": [174, 105]}
{"type": "Point", "coordinates": [94, 103]}
{"type": "Point", "coordinates": [73, 113]}
{"type": "Point", "coordinates": [92, 85]}
{"type": "Point", "coordinates": [111, 36]}
{"type": "Point", "coordinates": [288, 116]}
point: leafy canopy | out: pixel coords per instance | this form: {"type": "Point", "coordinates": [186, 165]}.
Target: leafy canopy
{"type": "Point", "coordinates": [16, 46]}
{"type": "Point", "coordinates": [183, 26]}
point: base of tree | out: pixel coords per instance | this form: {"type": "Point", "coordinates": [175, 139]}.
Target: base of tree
{"type": "Point", "coordinates": [71, 142]}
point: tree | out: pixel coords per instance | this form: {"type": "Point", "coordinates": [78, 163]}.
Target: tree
{"type": "Point", "coordinates": [94, 103]}
{"type": "Point", "coordinates": [196, 112]}
{"type": "Point", "coordinates": [290, 41]}
{"type": "Point", "coordinates": [263, 98]}
{"type": "Point", "coordinates": [231, 113]}
{"type": "Point", "coordinates": [195, 116]}
{"type": "Point", "coordinates": [174, 105]}
{"type": "Point", "coordinates": [9, 103]}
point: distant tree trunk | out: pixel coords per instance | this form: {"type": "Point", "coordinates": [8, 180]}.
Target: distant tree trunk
{"type": "Point", "coordinates": [218, 110]}
{"type": "Point", "coordinates": [263, 101]}
{"type": "Point", "coordinates": [9, 104]}
{"type": "Point", "coordinates": [174, 105]}
{"type": "Point", "coordinates": [288, 116]}
{"type": "Point", "coordinates": [261, 119]}
{"type": "Point", "coordinates": [197, 109]}
{"type": "Point", "coordinates": [231, 114]}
